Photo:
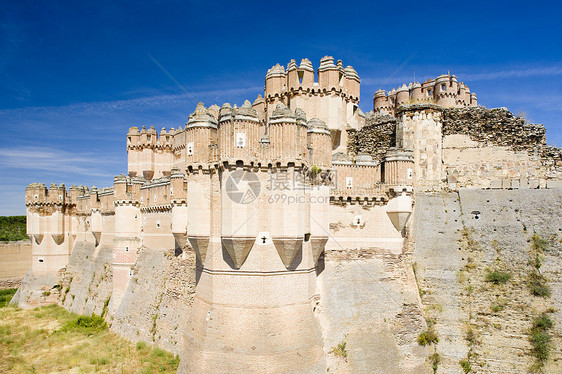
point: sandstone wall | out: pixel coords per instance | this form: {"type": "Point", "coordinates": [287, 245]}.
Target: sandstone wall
{"type": "Point", "coordinates": [459, 238]}
{"type": "Point", "coordinates": [368, 300]}
{"type": "Point", "coordinates": [15, 261]}
{"type": "Point", "coordinates": [155, 303]}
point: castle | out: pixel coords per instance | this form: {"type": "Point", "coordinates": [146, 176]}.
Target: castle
{"type": "Point", "coordinates": [260, 192]}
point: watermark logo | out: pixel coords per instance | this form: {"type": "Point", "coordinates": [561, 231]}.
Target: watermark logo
{"type": "Point", "coordinates": [242, 187]}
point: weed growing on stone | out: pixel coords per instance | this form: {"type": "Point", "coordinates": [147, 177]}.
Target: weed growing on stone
{"type": "Point", "coordinates": [428, 337]}
{"type": "Point", "coordinates": [340, 351]}
{"type": "Point", "coordinates": [541, 340]}
{"type": "Point", "coordinates": [435, 359]}
{"type": "Point", "coordinates": [465, 365]}
{"type": "Point", "coordinates": [537, 285]}
{"type": "Point", "coordinates": [497, 277]}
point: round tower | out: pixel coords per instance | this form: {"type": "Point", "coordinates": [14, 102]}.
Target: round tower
{"type": "Point", "coordinates": [320, 144]}
{"type": "Point", "coordinates": [328, 73]}
{"type": "Point", "coordinates": [238, 134]}
{"type": "Point", "coordinates": [402, 95]}
{"type": "Point", "coordinates": [133, 139]}
{"type": "Point", "coordinates": [306, 74]}
{"type": "Point", "coordinates": [416, 94]}
{"type": "Point", "coordinates": [287, 136]}
{"type": "Point", "coordinates": [200, 132]}
{"type": "Point", "coordinates": [275, 82]}
{"type": "Point", "coordinates": [352, 83]}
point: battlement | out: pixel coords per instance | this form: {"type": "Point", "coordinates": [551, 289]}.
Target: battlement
{"type": "Point", "coordinates": [331, 79]}
{"type": "Point", "coordinates": [443, 90]}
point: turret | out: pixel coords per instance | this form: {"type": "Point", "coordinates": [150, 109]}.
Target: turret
{"type": "Point", "coordinates": [352, 83]}
{"type": "Point", "coordinates": [402, 95]}
{"type": "Point", "coordinates": [306, 73]}
{"type": "Point", "coordinates": [328, 73]}
{"type": "Point", "coordinates": [275, 81]}
{"type": "Point", "coordinates": [287, 136]}
{"type": "Point", "coordinates": [473, 100]}
{"type": "Point", "coordinates": [416, 94]}
{"type": "Point", "coordinates": [292, 75]}
{"type": "Point", "coordinates": [238, 134]}
{"type": "Point", "coordinates": [259, 107]}
{"type": "Point", "coordinates": [201, 131]}
{"type": "Point", "coordinates": [319, 140]}
{"type": "Point", "coordinates": [381, 104]}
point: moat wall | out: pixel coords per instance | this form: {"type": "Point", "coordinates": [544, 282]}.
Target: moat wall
{"type": "Point", "coordinates": [459, 238]}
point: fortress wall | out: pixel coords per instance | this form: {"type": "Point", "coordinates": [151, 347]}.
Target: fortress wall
{"type": "Point", "coordinates": [470, 233]}
{"type": "Point", "coordinates": [15, 260]}
{"type": "Point", "coordinates": [363, 178]}
{"type": "Point", "coordinates": [154, 304]}
{"type": "Point", "coordinates": [474, 164]}
{"type": "Point", "coordinates": [354, 226]}
{"type": "Point", "coordinates": [369, 300]}
{"type": "Point", "coordinates": [158, 298]}
{"type": "Point", "coordinates": [86, 283]}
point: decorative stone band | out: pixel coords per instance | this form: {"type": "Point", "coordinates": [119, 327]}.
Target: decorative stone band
{"type": "Point", "coordinates": [156, 208]}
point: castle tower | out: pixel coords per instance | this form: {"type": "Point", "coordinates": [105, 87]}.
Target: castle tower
{"type": "Point", "coordinates": [200, 132]}
{"type": "Point", "coordinates": [49, 226]}
{"type": "Point", "coordinates": [420, 129]}
{"type": "Point", "coordinates": [287, 136]}
{"type": "Point", "coordinates": [127, 240]}
{"type": "Point", "coordinates": [320, 144]}
{"type": "Point", "coordinates": [238, 134]}
{"type": "Point", "coordinates": [133, 152]}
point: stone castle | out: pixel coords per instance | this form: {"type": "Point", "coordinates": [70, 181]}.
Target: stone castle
{"type": "Point", "coordinates": [262, 193]}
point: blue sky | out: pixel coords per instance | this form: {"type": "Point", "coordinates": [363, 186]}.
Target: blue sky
{"type": "Point", "coordinates": [75, 76]}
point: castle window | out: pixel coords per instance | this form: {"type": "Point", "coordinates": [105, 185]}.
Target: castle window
{"type": "Point", "coordinates": [189, 149]}
{"type": "Point", "coordinates": [410, 173]}
{"type": "Point", "coordinates": [157, 224]}
{"type": "Point", "coordinates": [443, 87]}
{"type": "Point", "coordinates": [41, 260]}
{"type": "Point", "coordinates": [300, 75]}
{"type": "Point", "coordinates": [240, 140]}
{"type": "Point", "coordinates": [129, 139]}
{"type": "Point", "coordinates": [429, 93]}
{"type": "Point", "coordinates": [348, 182]}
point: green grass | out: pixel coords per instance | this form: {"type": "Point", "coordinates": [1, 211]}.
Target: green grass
{"type": "Point", "coordinates": [50, 339]}
{"type": "Point", "coordinates": [465, 365]}
{"type": "Point", "coordinates": [12, 228]}
{"type": "Point", "coordinates": [497, 277]}
{"type": "Point", "coordinates": [6, 296]}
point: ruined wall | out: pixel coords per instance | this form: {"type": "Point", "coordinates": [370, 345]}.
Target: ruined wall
{"type": "Point", "coordinates": [460, 238]}
{"type": "Point", "coordinates": [375, 138]}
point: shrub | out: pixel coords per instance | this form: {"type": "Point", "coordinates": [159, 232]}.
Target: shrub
{"type": "Point", "coordinates": [6, 296]}
{"type": "Point", "coordinates": [140, 346]}
{"type": "Point", "coordinates": [497, 277]}
{"type": "Point", "coordinates": [543, 323]}
{"type": "Point", "coordinates": [86, 324]}
{"type": "Point", "coordinates": [541, 345]}
{"type": "Point", "coordinates": [13, 228]}
{"type": "Point", "coordinates": [538, 286]}
{"type": "Point", "coordinates": [428, 337]}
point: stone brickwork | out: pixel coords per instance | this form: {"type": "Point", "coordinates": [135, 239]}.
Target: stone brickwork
{"type": "Point", "coordinates": [375, 138]}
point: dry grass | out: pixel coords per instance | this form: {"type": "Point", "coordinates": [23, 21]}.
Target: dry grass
{"type": "Point", "coordinates": [34, 341]}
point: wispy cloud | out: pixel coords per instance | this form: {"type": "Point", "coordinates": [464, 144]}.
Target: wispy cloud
{"type": "Point", "coordinates": [54, 160]}
{"type": "Point", "coordinates": [544, 71]}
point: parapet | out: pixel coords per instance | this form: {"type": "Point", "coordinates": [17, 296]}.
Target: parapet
{"type": "Point", "coordinates": [331, 78]}
{"type": "Point", "coordinates": [444, 91]}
